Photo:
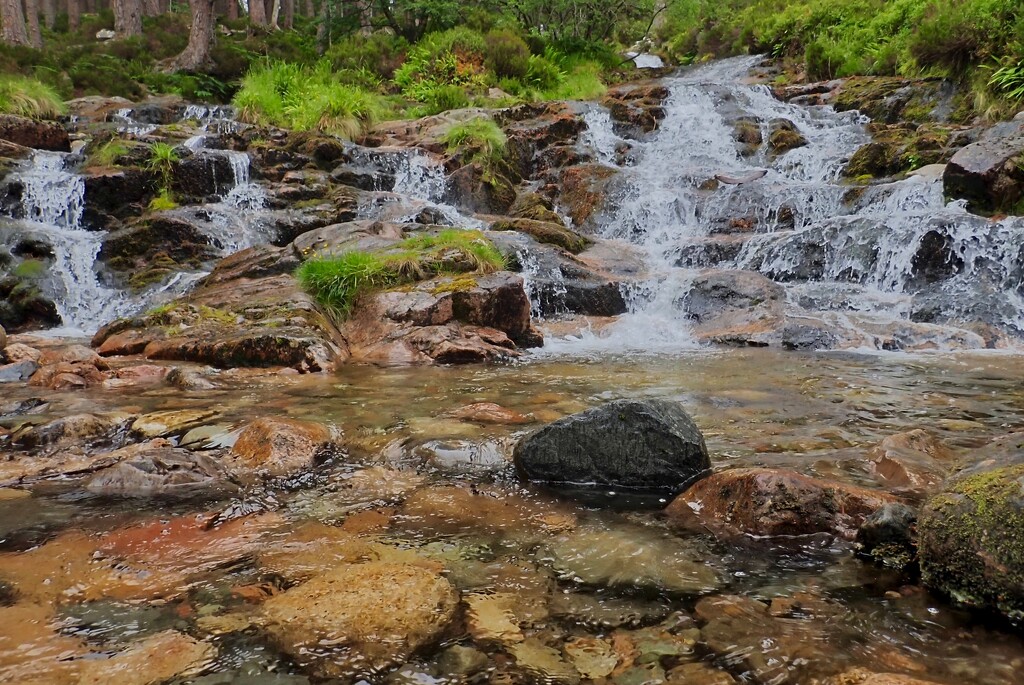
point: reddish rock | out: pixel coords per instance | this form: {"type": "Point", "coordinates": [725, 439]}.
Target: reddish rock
{"type": "Point", "coordinates": [41, 135]}
{"type": "Point", "coordinates": [280, 446]}
{"type": "Point", "coordinates": [583, 189]}
{"type": "Point", "coordinates": [63, 375]}
{"type": "Point", "coordinates": [760, 501]}
{"type": "Point", "coordinates": [75, 354]}
{"type": "Point", "coordinates": [637, 108]}
{"type": "Point", "coordinates": [913, 459]}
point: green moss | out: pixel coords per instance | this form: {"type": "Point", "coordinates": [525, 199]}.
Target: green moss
{"type": "Point", "coordinates": [31, 269]}
{"type": "Point", "coordinates": [107, 154]}
{"type": "Point", "coordinates": [461, 284]}
{"type": "Point", "coordinates": [972, 541]}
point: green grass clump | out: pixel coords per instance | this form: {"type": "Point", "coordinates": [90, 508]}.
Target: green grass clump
{"type": "Point", "coordinates": [163, 201]}
{"type": "Point", "coordinates": [27, 97]}
{"type": "Point", "coordinates": [481, 140]}
{"type": "Point", "coordinates": [337, 282]}
{"type": "Point", "coordinates": [107, 154]}
{"type": "Point", "coordinates": [307, 99]}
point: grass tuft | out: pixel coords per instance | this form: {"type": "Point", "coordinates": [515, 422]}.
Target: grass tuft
{"type": "Point", "coordinates": [27, 97]}
{"type": "Point", "coordinates": [337, 282]}
{"type": "Point", "coordinates": [481, 140]}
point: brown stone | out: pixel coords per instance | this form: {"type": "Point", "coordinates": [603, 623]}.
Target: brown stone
{"type": "Point", "coordinates": [361, 618]}
{"type": "Point", "coordinates": [760, 501]}
{"type": "Point", "coordinates": [860, 676]}
{"type": "Point", "coordinates": [18, 352]}
{"type": "Point", "coordinates": [40, 135]}
{"type": "Point", "coordinates": [281, 446]}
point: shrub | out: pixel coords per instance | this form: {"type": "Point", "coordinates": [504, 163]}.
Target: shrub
{"type": "Point", "coordinates": [28, 97]}
{"type": "Point", "coordinates": [542, 73]}
{"type": "Point", "coordinates": [507, 55]}
{"type": "Point", "coordinates": [380, 53]}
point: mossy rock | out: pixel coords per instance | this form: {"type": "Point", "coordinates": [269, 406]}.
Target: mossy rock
{"type": "Point", "coordinates": [536, 207]}
{"type": "Point", "coordinates": [784, 137]}
{"type": "Point", "coordinates": [972, 541]}
{"type": "Point", "coordinates": [545, 232]}
{"type": "Point", "coordinates": [875, 160]}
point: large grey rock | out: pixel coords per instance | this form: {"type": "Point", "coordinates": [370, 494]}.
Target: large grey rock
{"type": "Point", "coordinates": [645, 444]}
{"type": "Point", "coordinates": [21, 371]}
{"type": "Point", "coordinates": [988, 173]}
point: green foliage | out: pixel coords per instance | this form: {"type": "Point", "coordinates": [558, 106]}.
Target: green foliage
{"type": "Point", "coordinates": [28, 97]}
{"type": "Point", "coordinates": [480, 140]}
{"type": "Point", "coordinates": [162, 158]}
{"type": "Point", "coordinates": [108, 154]}
{"type": "Point", "coordinates": [1009, 81]}
{"type": "Point", "coordinates": [31, 269]}
{"type": "Point", "coordinates": [379, 53]}
{"type": "Point", "coordinates": [506, 54]}
{"type": "Point", "coordinates": [337, 282]}
{"type": "Point", "coordinates": [451, 58]}
{"type": "Point", "coordinates": [838, 38]}
{"type": "Point", "coordinates": [307, 99]}
{"type": "Point", "coordinates": [164, 200]}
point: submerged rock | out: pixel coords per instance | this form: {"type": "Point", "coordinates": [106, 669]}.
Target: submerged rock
{"type": "Point", "coordinates": [970, 543]}
{"type": "Point", "coordinates": [860, 676]}
{"type": "Point", "coordinates": [759, 501]}
{"type": "Point", "coordinates": [645, 444]}
{"type": "Point", "coordinates": [631, 558]}
{"type": "Point", "coordinates": [360, 618]}
{"type": "Point", "coordinates": [280, 446]}
{"type": "Point", "coordinates": [164, 471]}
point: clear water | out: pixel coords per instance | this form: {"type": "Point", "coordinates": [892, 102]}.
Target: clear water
{"type": "Point", "coordinates": [819, 414]}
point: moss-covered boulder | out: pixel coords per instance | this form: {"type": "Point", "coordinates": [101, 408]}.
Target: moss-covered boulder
{"type": "Point", "coordinates": [784, 136]}
{"type": "Point", "coordinates": [971, 541]}
{"type": "Point", "coordinates": [545, 232]}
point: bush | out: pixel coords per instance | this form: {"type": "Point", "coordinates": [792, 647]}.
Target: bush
{"type": "Point", "coordinates": [28, 97]}
{"type": "Point", "coordinates": [507, 55]}
{"type": "Point", "coordinates": [380, 53]}
{"type": "Point", "coordinates": [543, 74]}
{"type": "Point", "coordinates": [449, 58]}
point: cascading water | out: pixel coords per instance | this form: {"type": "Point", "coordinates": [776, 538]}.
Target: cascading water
{"type": "Point", "coordinates": [850, 261]}
{"type": "Point", "coordinates": [50, 209]}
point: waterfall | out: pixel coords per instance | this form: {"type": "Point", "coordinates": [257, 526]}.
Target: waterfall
{"type": "Point", "coordinates": [861, 256]}
{"type": "Point", "coordinates": [244, 194]}
{"type": "Point", "coordinates": [51, 206]}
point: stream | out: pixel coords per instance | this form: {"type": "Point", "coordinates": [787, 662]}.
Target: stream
{"type": "Point", "coordinates": [553, 590]}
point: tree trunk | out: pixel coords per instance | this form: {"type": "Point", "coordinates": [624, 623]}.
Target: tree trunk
{"type": "Point", "coordinates": [74, 15]}
{"type": "Point", "coordinates": [35, 36]}
{"type": "Point", "coordinates": [323, 29]}
{"type": "Point", "coordinates": [200, 39]}
{"type": "Point", "coordinates": [257, 12]}
{"type": "Point", "coordinates": [310, 10]}
{"type": "Point", "coordinates": [127, 18]}
{"type": "Point", "coordinates": [13, 18]}
{"type": "Point", "coordinates": [151, 8]}
{"type": "Point", "coordinates": [275, 13]}
{"type": "Point", "coordinates": [49, 13]}
{"type": "Point", "coordinates": [232, 10]}
{"type": "Point", "coordinates": [289, 13]}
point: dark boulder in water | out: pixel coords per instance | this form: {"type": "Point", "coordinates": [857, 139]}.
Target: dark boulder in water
{"type": "Point", "coordinates": [642, 444]}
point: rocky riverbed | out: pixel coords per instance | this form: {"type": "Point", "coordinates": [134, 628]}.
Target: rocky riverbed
{"type": "Point", "coordinates": [743, 405]}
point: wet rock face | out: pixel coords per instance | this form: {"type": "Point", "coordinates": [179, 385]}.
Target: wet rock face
{"type": "Point", "coordinates": [971, 547]}
{"type": "Point", "coordinates": [41, 135]}
{"type": "Point", "coordinates": [776, 502]}
{"type": "Point", "coordinates": [23, 307]}
{"type": "Point", "coordinates": [644, 444]}
{"type": "Point", "coordinates": [360, 618]}
{"type": "Point", "coordinates": [736, 307]}
{"type": "Point", "coordinates": [636, 109]}
{"type": "Point", "coordinates": [989, 174]}
{"type": "Point", "coordinates": [889, 536]}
